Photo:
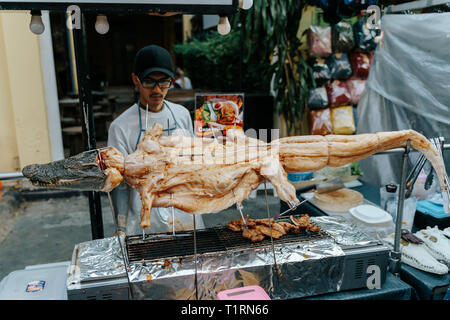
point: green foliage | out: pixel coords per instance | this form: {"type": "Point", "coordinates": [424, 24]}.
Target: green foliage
{"type": "Point", "coordinates": [355, 169]}
{"type": "Point", "coordinates": [271, 27]}
{"type": "Point", "coordinates": [214, 62]}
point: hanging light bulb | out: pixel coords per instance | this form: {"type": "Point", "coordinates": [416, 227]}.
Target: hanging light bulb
{"type": "Point", "coordinates": [245, 4]}
{"type": "Point", "coordinates": [224, 26]}
{"type": "Point", "coordinates": [101, 24]}
{"type": "Point", "coordinates": [36, 25]}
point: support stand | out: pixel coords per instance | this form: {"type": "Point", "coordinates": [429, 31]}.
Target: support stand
{"type": "Point", "coordinates": [87, 121]}
{"type": "Point", "coordinates": [395, 255]}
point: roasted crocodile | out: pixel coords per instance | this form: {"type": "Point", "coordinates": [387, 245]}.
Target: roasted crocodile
{"type": "Point", "coordinates": [199, 175]}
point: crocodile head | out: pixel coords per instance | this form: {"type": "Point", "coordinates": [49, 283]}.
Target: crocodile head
{"type": "Point", "coordinates": [80, 172]}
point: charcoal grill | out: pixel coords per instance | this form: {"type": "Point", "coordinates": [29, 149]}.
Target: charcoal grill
{"type": "Point", "coordinates": [219, 239]}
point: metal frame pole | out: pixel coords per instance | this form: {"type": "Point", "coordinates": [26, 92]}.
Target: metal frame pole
{"type": "Point", "coordinates": [395, 254]}
{"type": "Point", "coordinates": [87, 120]}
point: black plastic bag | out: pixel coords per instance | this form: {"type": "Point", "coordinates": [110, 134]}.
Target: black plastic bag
{"type": "Point", "coordinates": [364, 37]}
{"type": "Point", "coordinates": [342, 37]}
{"type": "Point", "coordinates": [339, 65]}
{"type": "Point", "coordinates": [321, 71]}
{"type": "Point", "coordinates": [318, 98]}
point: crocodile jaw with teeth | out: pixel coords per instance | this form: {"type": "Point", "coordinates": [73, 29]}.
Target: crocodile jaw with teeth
{"type": "Point", "coordinates": [418, 256]}
{"type": "Point", "coordinates": [87, 171]}
{"type": "Point", "coordinates": [437, 244]}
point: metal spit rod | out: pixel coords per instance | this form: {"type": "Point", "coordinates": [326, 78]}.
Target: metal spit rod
{"type": "Point", "coordinates": [401, 150]}
{"type": "Point", "coordinates": [11, 175]}
{"type": "Point", "coordinates": [18, 174]}
{"type": "Point", "coordinates": [271, 238]}
{"type": "Point", "coordinates": [195, 256]}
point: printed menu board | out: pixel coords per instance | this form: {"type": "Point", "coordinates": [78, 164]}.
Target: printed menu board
{"type": "Point", "coordinates": [215, 113]}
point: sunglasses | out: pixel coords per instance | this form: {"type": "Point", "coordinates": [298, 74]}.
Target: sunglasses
{"type": "Point", "coordinates": [151, 83]}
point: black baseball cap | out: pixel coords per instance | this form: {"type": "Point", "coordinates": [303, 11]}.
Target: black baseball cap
{"type": "Point", "coordinates": [150, 59]}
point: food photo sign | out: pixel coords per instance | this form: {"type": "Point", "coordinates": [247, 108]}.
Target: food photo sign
{"type": "Point", "coordinates": [215, 113]}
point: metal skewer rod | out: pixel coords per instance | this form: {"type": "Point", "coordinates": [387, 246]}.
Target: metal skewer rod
{"type": "Point", "coordinates": [292, 208]}
{"type": "Point", "coordinates": [239, 207]}
{"type": "Point", "coordinates": [146, 117]}
{"type": "Point", "coordinates": [401, 150]}
{"type": "Point", "coordinates": [173, 217]}
{"type": "Point", "coordinates": [146, 124]}
{"type": "Point", "coordinates": [195, 256]}
{"type": "Point", "coordinates": [11, 175]}
{"type": "Point", "coordinates": [271, 237]}
{"type": "Point", "coordinates": [121, 247]}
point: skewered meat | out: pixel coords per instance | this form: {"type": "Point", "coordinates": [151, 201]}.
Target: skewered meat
{"type": "Point", "coordinates": [208, 175]}
{"type": "Point", "coordinates": [304, 222]}
{"type": "Point", "coordinates": [258, 229]}
{"type": "Point", "coordinates": [254, 235]}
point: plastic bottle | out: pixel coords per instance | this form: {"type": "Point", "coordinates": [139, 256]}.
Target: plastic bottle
{"type": "Point", "coordinates": [391, 205]}
{"type": "Point", "coordinates": [388, 193]}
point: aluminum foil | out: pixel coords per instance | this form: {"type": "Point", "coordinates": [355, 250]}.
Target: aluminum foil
{"type": "Point", "coordinates": [96, 260]}
{"type": "Point", "coordinates": [344, 231]}
{"type": "Point", "coordinates": [298, 270]}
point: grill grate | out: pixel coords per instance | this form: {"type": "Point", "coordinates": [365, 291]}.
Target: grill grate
{"type": "Point", "coordinates": [181, 245]}
{"type": "Point", "coordinates": [208, 241]}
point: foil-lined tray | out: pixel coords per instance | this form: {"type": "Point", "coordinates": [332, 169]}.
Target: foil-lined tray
{"type": "Point", "coordinates": [344, 232]}
{"type": "Point", "coordinates": [99, 259]}
{"type": "Point", "coordinates": [298, 269]}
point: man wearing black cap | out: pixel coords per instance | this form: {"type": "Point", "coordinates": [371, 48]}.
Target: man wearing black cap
{"type": "Point", "coordinates": [152, 76]}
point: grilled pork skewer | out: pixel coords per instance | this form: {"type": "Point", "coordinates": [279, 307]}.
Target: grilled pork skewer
{"type": "Point", "coordinates": [204, 175]}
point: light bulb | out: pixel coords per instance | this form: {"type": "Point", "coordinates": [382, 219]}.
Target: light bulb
{"type": "Point", "coordinates": [245, 4]}
{"type": "Point", "coordinates": [224, 26]}
{"type": "Point", "coordinates": [36, 25]}
{"type": "Point", "coordinates": [101, 24]}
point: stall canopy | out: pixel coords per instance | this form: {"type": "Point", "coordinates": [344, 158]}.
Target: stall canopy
{"type": "Point", "coordinates": [408, 87]}
{"type": "Point", "coordinates": [188, 6]}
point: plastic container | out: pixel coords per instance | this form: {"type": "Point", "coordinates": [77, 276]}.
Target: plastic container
{"type": "Point", "coordinates": [299, 176]}
{"type": "Point", "coordinates": [41, 282]}
{"type": "Point", "coordinates": [388, 193]}
{"type": "Point", "coordinates": [409, 211]}
{"type": "Point", "coordinates": [371, 215]}
{"type": "Point", "coordinates": [244, 293]}
{"type": "Point", "coordinates": [372, 220]}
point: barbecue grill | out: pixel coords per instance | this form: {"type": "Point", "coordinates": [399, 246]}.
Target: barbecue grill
{"type": "Point", "coordinates": [208, 241]}
{"type": "Point", "coordinates": [164, 266]}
